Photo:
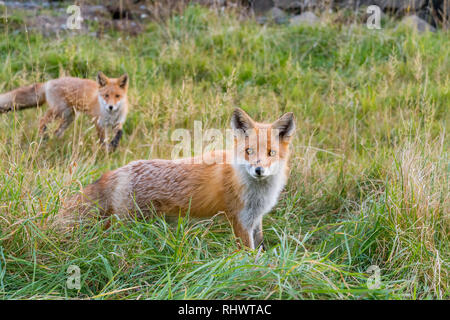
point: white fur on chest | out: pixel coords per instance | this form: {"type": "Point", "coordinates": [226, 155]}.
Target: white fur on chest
{"type": "Point", "coordinates": [259, 197]}
{"type": "Point", "coordinates": [110, 118]}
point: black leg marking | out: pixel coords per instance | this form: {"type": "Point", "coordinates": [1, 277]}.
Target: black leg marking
{"type": "Point", "coordinates": [115, 141]}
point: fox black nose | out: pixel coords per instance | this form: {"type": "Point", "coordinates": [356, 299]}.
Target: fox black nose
{"type": "Point", "coordinates": [259, 171]}
{"type": "Point", "coordinates": [111, 107]}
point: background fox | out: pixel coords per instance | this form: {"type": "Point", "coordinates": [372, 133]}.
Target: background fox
{"type": "Point", "coordinates": [105, 101]}
{"type": "Point", "coordinates": [245, 188]}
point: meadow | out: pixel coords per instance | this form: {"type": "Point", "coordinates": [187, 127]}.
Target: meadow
{"type": "Point", "coordinates": [368, 193]}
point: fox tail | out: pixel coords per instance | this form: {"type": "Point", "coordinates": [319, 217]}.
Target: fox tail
{"type": "Point", "coordinates": [22, 98]}
{"type": "Point", "coordinates": [79, 208]}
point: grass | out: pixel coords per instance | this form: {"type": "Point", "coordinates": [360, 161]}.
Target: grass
{"type": "Point", "coordinates": [370, 173]}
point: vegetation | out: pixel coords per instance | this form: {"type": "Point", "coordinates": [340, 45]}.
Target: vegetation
{"type": "Point", "coordinates": [369, 183]}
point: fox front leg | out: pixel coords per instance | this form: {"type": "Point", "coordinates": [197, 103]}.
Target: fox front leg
{"type": "Point", "coordinates": [258, 238]}
{"type": "Point", "coordinates": [102, 136]}
{"type": "Point", "coordinates": [67, 117]}
{"type": "Point", "coordinates": [100, 133]}
{"type": "Point", "coordinates": [46, 119]}
{"type": "Point", "coordinates": [118, 135]}
{"type": "Point", "coordinates": [248, 229]}
{"type": "Point", "coordinates": [242, 233]}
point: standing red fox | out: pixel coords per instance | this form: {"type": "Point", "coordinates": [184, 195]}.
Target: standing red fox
{"type": "Point", "coordinates": [245, 186]}
{"type": "Point", "coordinates": [105, 101]}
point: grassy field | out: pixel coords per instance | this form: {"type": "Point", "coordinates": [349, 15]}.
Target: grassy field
{"type": "Point", "coordinates": [369, 184]}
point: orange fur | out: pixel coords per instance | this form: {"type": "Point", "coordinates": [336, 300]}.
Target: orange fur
{"type": "Point", "coordinates": [178, 187]}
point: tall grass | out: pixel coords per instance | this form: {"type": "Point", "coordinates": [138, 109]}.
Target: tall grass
{"type": "Point", "coordinates": [368, 186]}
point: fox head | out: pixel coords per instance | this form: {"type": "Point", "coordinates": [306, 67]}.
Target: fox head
{"type": "Point", "coordinates": [262, 148]}
{"type": "Point", "coordinates": [112, 92]}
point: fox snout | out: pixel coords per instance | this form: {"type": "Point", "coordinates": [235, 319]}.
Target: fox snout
{"type": "Point", "coordinates": [259, 171]}
{"type": "Point", "coordinates": [112, 107]}
{"type": "Point", "coordinates": [109, 106]}
{"type": "Point", "coordinates": [262, 172]}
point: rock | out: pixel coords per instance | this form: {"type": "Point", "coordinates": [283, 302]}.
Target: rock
{"type": "Point", "coordinates": [277, 15]}
{"type": "Point", "coordinates": [305, 18]}
{"type": "Point", "coordinates": [296, 5]}
{"type": "Point", "coordinates": [262, 20]}
{"type": "Point", "coordinates": [95, 11]}
{"type": "Point", "coordinates": [289, 4]}
{"type": "Point", "coordinates": [21, 5]}
{"type": "Point", "coordinates": [416, 23]}
{"type": "Point", "coordinates": [260, 6]}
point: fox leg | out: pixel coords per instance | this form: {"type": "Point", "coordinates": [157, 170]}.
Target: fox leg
{"type": "Point", "coordinates": [117, 135]}
{"type": "Point", "coordinates": [242, 233]}
{"type": "Point", "coordinates": [103, 137]}
{"type": "Point", "coordinates": [58, 108]}
{"type": "Point", "coordinates": [67, 117]}
{"type": "Point", "coordinates": [46, 119]}
{"type": "Point", "coordinates": [258, 238]}
{"type": "Point", "coordinates": [100, 133]}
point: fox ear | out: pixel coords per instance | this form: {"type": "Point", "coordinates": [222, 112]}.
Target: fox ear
{"type": "Point", "coordinates": [123, 80]}
{"type": "Point", "coordinates": [240, 120]}
{"type": "Point", "coordinates": [285, 126]}
{"type": "Point", "coordinates": [102, 80]}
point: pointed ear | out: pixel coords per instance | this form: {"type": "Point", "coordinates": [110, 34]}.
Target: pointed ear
{"type": "Point", "coordinates": [102, 80]}
{"type": "Point", "coordinates": [123, 81]}
{"type": "Point", "coordinates": [240, 120]}
{"type": "Point", "coordinates": [285, 126]}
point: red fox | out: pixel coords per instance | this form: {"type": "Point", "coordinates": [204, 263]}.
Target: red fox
{"type": "Point", "coordinates": [245, 188]}
{"type": "Point", "coordinates": [105, 101]}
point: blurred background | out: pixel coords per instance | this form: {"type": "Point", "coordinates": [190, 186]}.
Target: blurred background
{"type": "Point", "coordinates": [129, 15]}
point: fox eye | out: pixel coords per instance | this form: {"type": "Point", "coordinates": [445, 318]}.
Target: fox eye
{"type": "Point", "coordinates": [117, 95]}
{"type": "Point", "coordinates": [249, 151]}
{"type": "Point", "coordinates": [272, 153]}
{"type": "Point", "coordinates": [106, 95]}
